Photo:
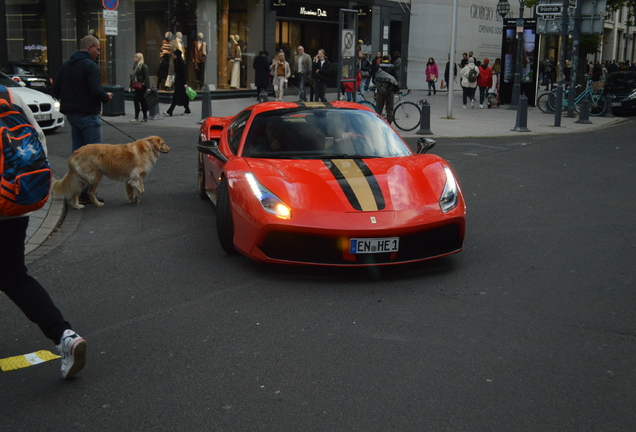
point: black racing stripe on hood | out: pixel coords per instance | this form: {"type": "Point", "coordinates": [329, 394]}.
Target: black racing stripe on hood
{"type": "Point", "coordinates": [344, 185]}
{"type": "Point", "coordinates": [373, 183]}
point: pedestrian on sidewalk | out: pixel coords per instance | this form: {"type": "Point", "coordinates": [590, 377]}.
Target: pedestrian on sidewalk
{"type": "Point", "coordinates": [447, 72]}
{"type": "Point", "coordinates": [364, 66]}
{"type": "Point", "coordinates": [302, 71]}
{"type": "Point", "coordinates": [432, 74]}
{"type": "Point", "coordinates": [321, 70]}
{"type": "Point", "coordinates": [281, 71]}
{"type": "Point", "coordinates": [24, 290]}
{"type": "Point", "coordinates": [387, 86]}
{"type": "Point", "coordinates": [261, 74]}
{"type": "Point", "coordinates": [469, 75]}
{"type": "Point", "coordinates": [484, 81]}
{"type": "Point", "coordinates": [140, 84]}
{"type": "Point", "coordinates": [179, 96]}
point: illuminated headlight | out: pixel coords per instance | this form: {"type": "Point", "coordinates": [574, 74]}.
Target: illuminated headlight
{"type": "Point", "coordinates": [448, 200]}
{"type": "Point", "coordinates": [270, 202]}
{"type": "Point", "coordinates": [56, 105]}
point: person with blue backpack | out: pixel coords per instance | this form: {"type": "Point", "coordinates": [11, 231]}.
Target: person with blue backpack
{"type": "Point", "coordinates": [26, 180]}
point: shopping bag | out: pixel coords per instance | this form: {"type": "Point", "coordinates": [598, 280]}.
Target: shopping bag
{"type": "Point", "coordinates": [191, 93]}
{"type": "Point", "coordinates": [169, 81]}
{"type": "Point", "coordinates": [152, 99]}
{"type": "Point", "coordinates": [441, 86]}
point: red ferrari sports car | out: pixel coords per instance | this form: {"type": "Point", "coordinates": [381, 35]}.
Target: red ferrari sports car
{"type": "Point", "coordinates": [326, 184]}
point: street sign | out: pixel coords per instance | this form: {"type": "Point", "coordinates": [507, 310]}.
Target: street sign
{"type": "Point", "coordinates": [549, 17]}
{"type": "Point", "coordinates": [110, 22]}
{"type": "Point", "coordinates": [110, 4]}
{"type": "Point", "coordinates": [549, 9]}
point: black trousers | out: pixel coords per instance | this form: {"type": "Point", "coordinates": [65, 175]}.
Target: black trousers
{"type": "Point", "coordinates": [141, 104]}
{"type": "Point", "coordinates": [22, 289]}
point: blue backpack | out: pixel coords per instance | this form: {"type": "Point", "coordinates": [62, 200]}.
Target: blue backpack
{"type": "Point", "coordinates": [25, 173]}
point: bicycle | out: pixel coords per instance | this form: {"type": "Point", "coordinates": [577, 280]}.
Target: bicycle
{"type": "Point", "coordinates": [593, 93]}
{"type": "Point", "coordinates": [406, 115]}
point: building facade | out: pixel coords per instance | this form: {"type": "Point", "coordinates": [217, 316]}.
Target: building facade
{"type": "Point", "coordinates": [48, 32]}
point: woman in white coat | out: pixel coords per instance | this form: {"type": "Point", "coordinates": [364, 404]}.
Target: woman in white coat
{"type": "Point", "coordinates": [469, 86]}
{"type": "Point", "coordinates": [281, 73]}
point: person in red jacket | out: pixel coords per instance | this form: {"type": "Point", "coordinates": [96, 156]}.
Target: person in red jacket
{"type": "Point", "coordinates": [484, 81]}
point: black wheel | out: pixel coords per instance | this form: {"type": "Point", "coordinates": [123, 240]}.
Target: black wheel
{"type": "Point", "coordinates": [543, 103]}
{"type": "Point", "coordinates": [406, 116]}
{"type": "Point", "coordinates": [224, 224]}
{"type": "Point", "coordinates": [202, 193]}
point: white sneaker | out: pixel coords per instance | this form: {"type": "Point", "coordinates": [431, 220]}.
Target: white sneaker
{"type": "Point", "coordinates": [472, 103]}
{"type": "Point", "coordinates": [481, 105]}
{"type": "Point", "coordinates": [72, 348]}
{"type": "Point", "coordinates": [464, 107]}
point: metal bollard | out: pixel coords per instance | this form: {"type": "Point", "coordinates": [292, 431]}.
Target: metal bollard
{"type": "Point", "coordinates": [153, 99]}
{"type": "Point", "coordinates": [206, 104]}
{"type": "Point", "coordinates": [608, 106]}
{"type": "Point", "coordinates": [584, 115]}
{"type": "Point", "coordinates": [262, 97]}
{"type": "Point", "coordinates": [425, 118]}
{"type": "Point", "coordinates": [521, 124]}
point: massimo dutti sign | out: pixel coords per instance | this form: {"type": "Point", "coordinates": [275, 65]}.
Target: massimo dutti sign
{"type": "Point", "coordinates": [292, 9]}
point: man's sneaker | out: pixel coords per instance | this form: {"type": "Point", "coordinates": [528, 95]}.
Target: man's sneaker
{"type": "Point", "coordinates": [72, 348]}
{"type": "Point", "coordinates": [472, 103]}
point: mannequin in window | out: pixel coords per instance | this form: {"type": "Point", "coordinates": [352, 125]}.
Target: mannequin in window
{"type": "Point", "coordinates": [164, 66]}
{"type": "Point", "coordinates": [199, 54]}
{"type": "Point", "coordinates": [236, 63]}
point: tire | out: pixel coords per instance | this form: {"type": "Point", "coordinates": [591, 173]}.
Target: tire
{"type": "Point", "coordinates": [224, 224]}
{"type": "Point", "coordinates": [367, 104]}
{"type": "Point", "coordinates": [201, 178]}
{"type": "Point", "coordinates": [406, 116]}
{"type": "Point", "coordinates": [543, 103]}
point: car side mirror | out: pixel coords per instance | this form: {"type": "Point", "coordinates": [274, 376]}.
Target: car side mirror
{"type": "Point", "coordinates": [425, 144]}
{"type": "Point", "coordinates": [211, 148]}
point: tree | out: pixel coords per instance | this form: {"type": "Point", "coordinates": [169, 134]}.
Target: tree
{"type": "Point", "coordinates": [614, 5]}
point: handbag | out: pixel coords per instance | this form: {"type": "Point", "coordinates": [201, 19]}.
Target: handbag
{"type": "Point", "coordinates": [137, 85]}
{"type": "Point", "coordinates": [191, 93]}
{"type": "Point", "coordinates": [169, 80]}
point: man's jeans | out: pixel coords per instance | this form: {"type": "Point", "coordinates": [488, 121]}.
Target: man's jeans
{"type": "Point", "coordinates": [301, 85]}
{"type": "Point", "coordinates": [86, 129]}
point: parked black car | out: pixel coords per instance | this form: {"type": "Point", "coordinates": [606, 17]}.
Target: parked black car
{"type": "Point", "coordinates": [621, 86]}
{"type": "Point", "coordinates": [33, 74]}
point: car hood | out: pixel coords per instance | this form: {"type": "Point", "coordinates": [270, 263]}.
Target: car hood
{"type": "Point", "coordinates": [30, 96]}
{"type": "Point", "coordinates": [349, 185]}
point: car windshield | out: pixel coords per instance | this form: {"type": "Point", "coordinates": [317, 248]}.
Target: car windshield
{"type": "Point", "coordinates": [321, 133]}
{"type": "Point", "coordinates": [34, 69]}
{"type": "Point", "coordinates": [5, 80]}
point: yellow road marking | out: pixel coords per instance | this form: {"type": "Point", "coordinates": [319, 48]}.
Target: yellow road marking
{"type": "Point", "coordinates": [26, 360]}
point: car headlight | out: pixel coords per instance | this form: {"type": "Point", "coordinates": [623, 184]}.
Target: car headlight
{"type": "Point", "coordinates": [56, 105]}
{"type": "Point", "coordinates": [449, 198]}
{"type": "Point", "coordinates": [270, 202]}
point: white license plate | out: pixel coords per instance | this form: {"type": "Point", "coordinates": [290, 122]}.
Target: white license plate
{"type": "Point", "coordinates": [43, 117]}
{"type": "Point", "coordinates": [616, 104]}
{"type": "Point", "coordinates": [38, 84]}
{"type": "Point", "coordinates": [374, 245]}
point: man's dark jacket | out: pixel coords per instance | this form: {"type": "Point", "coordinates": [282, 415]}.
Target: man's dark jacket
{"type": "Point", "coordinates": [79, 86]}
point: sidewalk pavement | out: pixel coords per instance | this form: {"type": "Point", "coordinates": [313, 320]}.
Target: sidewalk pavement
{"type": "Point", "coordinates": [464, 123]}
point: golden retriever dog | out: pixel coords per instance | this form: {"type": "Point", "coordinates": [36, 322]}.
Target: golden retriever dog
{"type": "Point", "coordinates": [129, 163]}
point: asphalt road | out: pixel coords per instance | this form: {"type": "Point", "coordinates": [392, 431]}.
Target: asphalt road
{"type": "Point", "coordinates": [530, 328]}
